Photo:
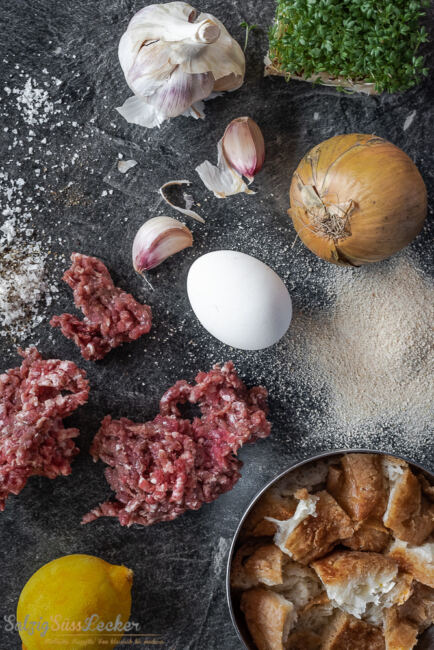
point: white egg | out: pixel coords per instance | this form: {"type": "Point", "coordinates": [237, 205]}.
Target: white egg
{"type": "Point", "coordinates": [239, 300]}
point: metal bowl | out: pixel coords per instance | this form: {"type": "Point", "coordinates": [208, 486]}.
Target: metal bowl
{"type": "Point", "coordinates": [426, 641]}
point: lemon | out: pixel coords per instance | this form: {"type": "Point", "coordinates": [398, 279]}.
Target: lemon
{"type": "Point", "coordinates": [75, 602]}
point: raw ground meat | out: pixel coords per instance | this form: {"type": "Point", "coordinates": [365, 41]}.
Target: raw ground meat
{"type": "Point", "coordinates": [33, 400]}
{"type": "Point", "coordinates": [164, 467]}
{"type": "Point", "coordinates": [111, 316]}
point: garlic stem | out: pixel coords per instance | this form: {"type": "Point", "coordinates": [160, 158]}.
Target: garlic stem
{"type": "Point", "coordinates": [158, 239]}
{"type": "Point", "coordinates": [207, 31]}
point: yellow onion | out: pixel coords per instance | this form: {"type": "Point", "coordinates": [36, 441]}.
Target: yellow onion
{"type": "Point", "coordinates": [356, 199]}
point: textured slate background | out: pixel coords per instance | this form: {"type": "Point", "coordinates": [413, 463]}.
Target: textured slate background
{"type": "Point", "coordinates": [179, 567]}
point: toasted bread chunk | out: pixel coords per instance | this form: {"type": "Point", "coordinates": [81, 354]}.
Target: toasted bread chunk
{"type": "Point", "coordinates": [316, 527]}
{"type": "Point", "coordinates": [312, 619]}
{"type": "Point", "coordinates": [392, 464]}
{"type": "Point", "coordinates": [402, 590]}
{"type": "Point", "coordinates": [358, 485]}
{"type": "Point", "coordinates": [419, 608]}
{"type": "Point", "coordinates": [409, 514]}
{"type": "Point", "coordinates": [300, 583]}
{"type": "Point", "coordinates": [256, 563]}
{"type": "Point", "coordinates": [370, 535]}
{"type": "Point", "coordinates": [315, 615]}
{"type": "Point", "coordinates": [356, 582]}
{"type": "Point", "coordinates": [346, 632]}
{"type": "Point", "coordinates": [269, 617]}
{"type": "Point", "coordinates": [304, 640]}
{"type": "Point", "coordinates": [266, 565]}
{"type": "Point", "coordinates": [416, 560]}
{"type": "Point", "coordinates": [273, 505]}
{"type": "Point", "coordinates": [402, 624]}
{"type": "Point", "coordinates": [427, 488]}
{"type": "Point", "coordinates": [400, 634]}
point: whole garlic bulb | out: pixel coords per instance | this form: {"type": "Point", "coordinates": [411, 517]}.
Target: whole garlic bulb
{"type": "Point", "coordinates": [173, 58]}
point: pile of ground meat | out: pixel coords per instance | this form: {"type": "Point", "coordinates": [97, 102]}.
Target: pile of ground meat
{"type": "Point", "coordinates": [111, 316]}
{"type": "Point", "coordinates": [162, 468]}
{"type": "Point", "coordinates": [33, 400]}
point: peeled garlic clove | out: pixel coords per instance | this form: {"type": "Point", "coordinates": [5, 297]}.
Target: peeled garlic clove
{"type": "Point", "coordinates": [244, 147]}
{"type": "Point", "coordinates": [158, 239]}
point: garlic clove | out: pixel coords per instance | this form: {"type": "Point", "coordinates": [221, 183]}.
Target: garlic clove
{"type": "Point", "coordinates": [158, 239]}
{"type": "Point", "coordinates": [244, 147]}
{"type": "Point", "coordinates": [181, 91]}
{"type": "Point", "coordinates": [177, 95]}
{"type": "Point", "coordinates": [222, 179]}
{"type": "Point", "coordinates": [228, 83]}
{"type": "Point", "coordinates": [241, 152]}
{"type": "Point", "coordinates": [150, 68]}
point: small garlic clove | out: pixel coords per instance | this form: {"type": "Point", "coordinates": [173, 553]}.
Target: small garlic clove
{"type": "Point", "coordinates": [244, 147]}
{"type": "Point", "coordinates": [158, 239]}
{"type": "Point", "coordinates": [222, 179]}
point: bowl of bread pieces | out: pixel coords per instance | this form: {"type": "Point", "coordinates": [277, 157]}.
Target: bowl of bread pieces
{"type": "Point", "coordinates": [337, 553]}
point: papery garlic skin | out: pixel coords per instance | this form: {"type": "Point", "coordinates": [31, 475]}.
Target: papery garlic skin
{"type": "Point", "coordinates": [244, 147]}
{"type": "Point", "coordinates": [173, 58]}
{"type": "Point", "coordinates": [241, 152]}
{"type": "Point", "coordinates": [187, 210]}
{"type": "Point", "coordinates": [222, 179]}
{"type": "Point", "coordinates": [158, 239]}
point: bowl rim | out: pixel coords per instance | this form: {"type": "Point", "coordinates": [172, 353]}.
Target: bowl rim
{"type": "Point", "coordinates": [293, 467]}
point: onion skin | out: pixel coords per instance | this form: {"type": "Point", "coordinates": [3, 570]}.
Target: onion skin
{"type": "Point", "coordinates": [387, 192]}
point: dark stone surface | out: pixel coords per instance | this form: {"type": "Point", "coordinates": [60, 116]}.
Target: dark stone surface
{"type": "Point", "coordinates": [179, 567]}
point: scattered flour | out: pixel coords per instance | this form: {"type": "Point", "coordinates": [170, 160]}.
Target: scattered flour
{"type": "Point", "coordinates": [374, 347]}
{"type": "Point", "coordinates": [368, 356]}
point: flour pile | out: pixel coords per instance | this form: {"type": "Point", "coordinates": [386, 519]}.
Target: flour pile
{"type": "Point", "coordinates": [372, 350]}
